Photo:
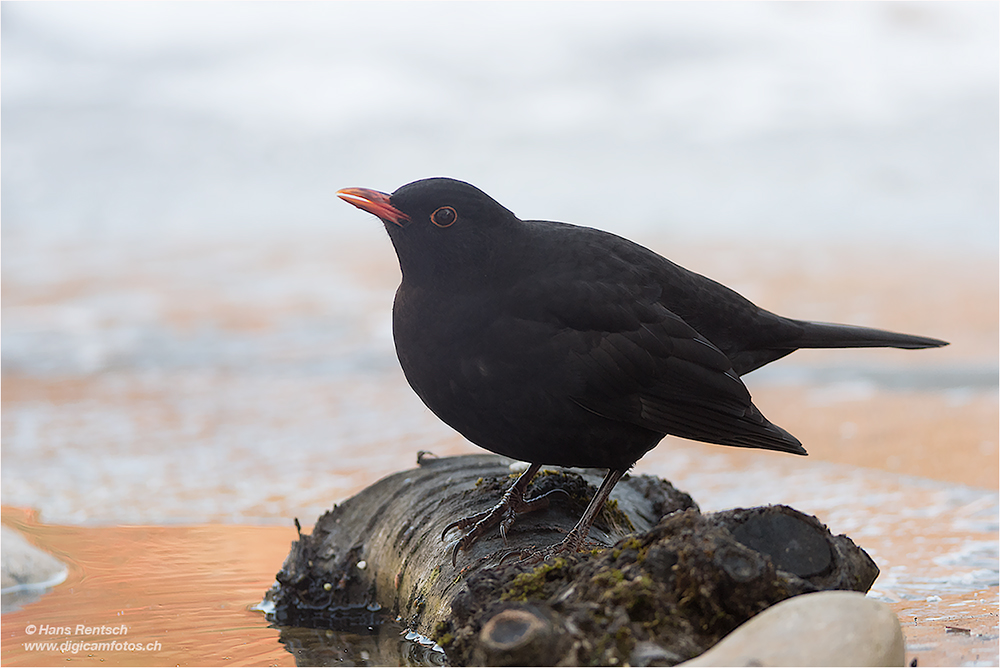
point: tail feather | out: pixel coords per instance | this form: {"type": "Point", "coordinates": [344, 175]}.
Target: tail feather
{"type": "Point", "coordinates": [830, 335]}
{"type": "Point", "coordinates": [795, 334]}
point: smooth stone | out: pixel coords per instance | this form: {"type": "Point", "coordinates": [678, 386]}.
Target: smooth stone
{"type": "Point", "coordinates": [26, 572]}
{"type": "Point", "coordinates": [827, 628]}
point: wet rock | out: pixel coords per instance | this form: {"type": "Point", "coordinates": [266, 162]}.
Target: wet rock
{"type": "Point", "coordinates": [25, 571]}
{"type": "Point", "coordinates": [662, 584]}
{"type": "Point", "coordinates": [394, 528]}
{"type": "Point", "coordinates": [665, 595]}
{"type": "Point", "coordinates": [802, 546]}
{"type": "Point", "coordinates": [830, 628]}
{"type": "Point", "coordinates": [790, 541]}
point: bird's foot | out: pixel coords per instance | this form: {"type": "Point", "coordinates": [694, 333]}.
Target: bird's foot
{"type": "Point", "coordinates": [578, 535]}
{"type": "Point", "coordinates": [504, 513]}
{"type": "Point", "coordinates": [571, 544]}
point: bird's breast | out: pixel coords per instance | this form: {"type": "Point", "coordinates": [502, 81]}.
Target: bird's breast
{"type": "Point", "coordinates": [509, 384]}
{"type": "Point", "coordinates": [470, 351]}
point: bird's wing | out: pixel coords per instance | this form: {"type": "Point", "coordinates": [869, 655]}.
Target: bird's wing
{"type": "Point", "coordinates": [636, 361]}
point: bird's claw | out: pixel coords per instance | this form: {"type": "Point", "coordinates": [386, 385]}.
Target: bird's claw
{"type": "Point", "coordinates": [526, 555]}
{"type": "Point", "coordinates": [466, 522]}
{"type": "Point", "coordinates": [571, 544]}
{"type": "Point", "coordinates": [504, 514]}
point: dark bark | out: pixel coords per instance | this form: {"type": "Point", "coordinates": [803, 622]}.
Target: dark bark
{"type": "Point", "coordinates": [671, 585]}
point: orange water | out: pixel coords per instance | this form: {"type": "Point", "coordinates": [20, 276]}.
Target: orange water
{"type": "Point", "coordinates": [184, 595]}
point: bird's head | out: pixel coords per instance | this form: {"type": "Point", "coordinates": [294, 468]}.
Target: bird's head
{"type": "Point", "coordinates": [442, 229]}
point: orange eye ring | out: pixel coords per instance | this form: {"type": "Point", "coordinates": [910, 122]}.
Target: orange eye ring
{"type": "Point", "coordinates": [444, 216]}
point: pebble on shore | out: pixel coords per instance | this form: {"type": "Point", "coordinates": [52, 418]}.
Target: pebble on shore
{"type": "Point", "coordinates": [827, 628]}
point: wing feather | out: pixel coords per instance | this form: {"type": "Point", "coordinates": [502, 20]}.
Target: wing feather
{"type": "Point", "coordinates": [636, 361]}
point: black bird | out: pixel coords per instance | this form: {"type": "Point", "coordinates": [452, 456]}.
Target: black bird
{"type": "Point", "coordinates": [557, 344]}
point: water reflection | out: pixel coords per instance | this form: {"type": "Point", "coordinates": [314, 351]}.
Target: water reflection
{"type": "Point", "coordinates": [385, 644]}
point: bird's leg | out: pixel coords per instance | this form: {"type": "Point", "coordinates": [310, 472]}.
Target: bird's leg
{"type": "Point", "coordinates": [511, 504]}
{"type": "Point", "coordinates": [575, 538]}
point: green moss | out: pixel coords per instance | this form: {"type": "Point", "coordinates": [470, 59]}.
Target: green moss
{"type": "Point", "coordinates": [610, 647]}
{"type": "Point", "coordinates": [442, 634]}
{"type": "Point", "coordinates": [637, 596]}
{"type": "Point", "coordinates": [624, 642]}
{"type": "Point", "coordinates": [640, 598]}
{"type": "Point", "coordinates": [609, 578]}
{"type": "Point", "coordinates": [632, 543]}
{"type": "Point", "coordinates": [528, 586]}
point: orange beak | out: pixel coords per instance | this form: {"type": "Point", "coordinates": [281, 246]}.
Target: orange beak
{"type": "Point", "coordinates": [374, 202]}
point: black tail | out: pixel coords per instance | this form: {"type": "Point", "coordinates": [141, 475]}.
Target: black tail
{"type": "Point", "coordinates": [829, 335]}
{"type": "Point", "coordinates": [797, 334]}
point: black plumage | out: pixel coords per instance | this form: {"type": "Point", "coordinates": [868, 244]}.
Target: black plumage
{"type": "Point", "coordinates": [558, 344]}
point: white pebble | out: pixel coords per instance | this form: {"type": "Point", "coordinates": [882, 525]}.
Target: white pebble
{"type": "Point", "coordinates": [826, 628]}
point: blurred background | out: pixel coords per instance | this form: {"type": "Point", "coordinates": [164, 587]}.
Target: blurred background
{"type": "Point", "coordinates": [195, 329]}
{"type": "Point", "coordinates": [823, 121]}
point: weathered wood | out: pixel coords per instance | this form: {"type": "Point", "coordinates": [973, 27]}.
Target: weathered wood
{"type": "Point", "coordinates": [674, 582]}
{"type": "Point", "coordinates": [382, 548]}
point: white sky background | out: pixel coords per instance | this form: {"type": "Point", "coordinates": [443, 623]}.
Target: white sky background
{"type": "Point", "coordinates": [827, 121]}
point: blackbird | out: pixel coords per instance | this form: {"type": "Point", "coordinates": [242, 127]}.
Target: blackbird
{"type": "Point", "coordinates": [557, 344]}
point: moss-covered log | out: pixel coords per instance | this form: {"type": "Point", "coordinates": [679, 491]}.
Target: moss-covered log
{"type": "Point", "coordinates": [663, 584]}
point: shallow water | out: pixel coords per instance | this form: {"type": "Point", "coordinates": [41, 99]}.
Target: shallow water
{"type": "Point", "coordinates": [182, 594]}
{"type": "Point", "coordinates": [186, 595]}
{"type": "Point", "coordinates": [219, 403]}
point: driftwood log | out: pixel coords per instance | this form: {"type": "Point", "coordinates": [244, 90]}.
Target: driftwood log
{"type": "Point", "coordinates": [663, 583]}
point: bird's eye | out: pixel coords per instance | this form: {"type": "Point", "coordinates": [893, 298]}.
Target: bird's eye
{"type": "Point", "coordinates": [444, 217]}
